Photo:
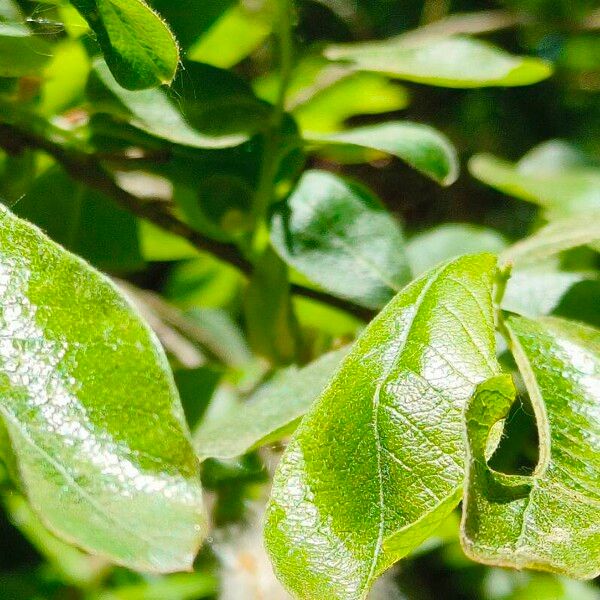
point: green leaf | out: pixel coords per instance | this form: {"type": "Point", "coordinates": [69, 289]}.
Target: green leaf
{"type": "Point", "coordinates": [270, 321]}
{"type": "Point", "coordinates": [322, 95]}
{"type": "Point", "coordinates": [137, 44]}
{"type": "Point", "coordinates": [551, 175]}
{"type": "Point", "coordinates": [548, 520]}
{"type": "Point", "coordinates": [558, 236]}
{"type": "Point", "coordinates": [22, 55]}
{"type": "Point", "coordinates": [81, 378]}
{"type": "Point", "coordinates": [338, 234]}
{"type": "Point", "coordinates": [377, 463]}
{"type": "Point", "coordinates": [205, 108]}
{"type": "Point", "coordinates": [232, 37]}
{"type": "Point", "coordinates": [269, 414]}
{"type": "Point", "coordinates": [534, 292]}
{"type": "Point", "coordinates": [421, 146]}
{"type": "Point", "coordinates": [83, 220]}
{"type": "Point", "coordinates": [426, 250]}
{"type": "Point", "coordinates": [456, 62]}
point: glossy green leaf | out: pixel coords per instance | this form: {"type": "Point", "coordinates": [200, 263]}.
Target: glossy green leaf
{"type": "Point", "coordinates": [548, 520]}
{"type": "Point", "coordinates": [269, 414]}
{"type": "Point", "coordinates": [558, 236]}
{"type": "Point", "coordinates": [422, 147]}
{"type": "Point", "coordinates": [82, 376]}
{"type": "Point", "coordinates": [377, 463]}
{"type": "Point", "coordinates": [553, 176]}
{"type": "Point", "coordinates": [338, 234]}
{"type": "Point", "coordinates": [457, 62]}
{"type": "Point", "coordinates": [442, 243]}
{"type": "Point", "coordinates": [137, 44]}
{"type": "Point", "coordinates": [205, 108]}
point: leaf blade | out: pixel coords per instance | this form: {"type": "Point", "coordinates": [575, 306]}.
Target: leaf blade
{"type": "Point", "coordinates": [86, 459]}
{"type": "Point", "coordinates": [333, 524]}
{"type": "Point", "coordinates": [338, 234]}
{"type": "Point", "coordinates": [422, 147]}
{"type": "Point", "coordinates": [548, 520]}
{"type": "Point", "coordinates": [455, 62]}
{"type": "Point", "coordinates": [137, 44]}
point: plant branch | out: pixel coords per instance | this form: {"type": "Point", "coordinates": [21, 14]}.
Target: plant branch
{"type": "Point", "coordinates": [272, 150]}
{"type": "Point", "coordinates": [87, 169]}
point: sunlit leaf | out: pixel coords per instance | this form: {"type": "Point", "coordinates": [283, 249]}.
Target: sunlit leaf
{"type": "Point", "coordinates": [459, 62]}
{"type": "Point", "coordinates": [547, 520]}
{"type": "Point", "coordinates": [337, 234]}
{"type": "Point", "coordinates": [553, 176]}
{"type": "Point", "coordinates": [82, 377]}
{"type": "Point", "coordinates": [421, 146]}
{"type": "Point", "coordinates": [377, 463]}
{"type": "Point", "coordinates": [137, 44]}
{"type": "Point", "coordinates": [558, 236]}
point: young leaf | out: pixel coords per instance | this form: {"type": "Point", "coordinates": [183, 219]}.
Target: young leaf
{"type": "Point", "coordinates": [554, 238]}
{"type": "Point", "coordinates": [377, 463]}
{"type": "Point", "coordinates": [456, 62]}
{"type": "Point", "coordinates": [336, 233]}
{"type": "Point", "coordinates": [92, 410]}
{"type": "Point", "coordinates": [137, 44]}
{"type": "Point", "coordinates": [421, 146]}
{"type": "Point", "coordinates": [270, 414]}
{"type": "Point", "coordinates": [548, 520]}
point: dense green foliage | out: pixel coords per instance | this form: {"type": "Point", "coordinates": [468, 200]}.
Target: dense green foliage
{"type": "Point", "coordinates": [350, 304]}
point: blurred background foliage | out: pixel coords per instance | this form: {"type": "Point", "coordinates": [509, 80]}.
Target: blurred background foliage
{"type": "Point", "coordinates": [528, 155]}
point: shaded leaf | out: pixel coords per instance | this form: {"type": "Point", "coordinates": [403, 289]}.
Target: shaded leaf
{"type": "Point", "coordinates": [548, 520]}
{"type": "Point", "coordinates": [337, 234]}
{"type": "Point", "coordinates": [269, 414]}
{"type": "Point", "coordinates": [552, 175]}
{"type": "Point", "coordinates": [82, 220]}
{"type": "Point", "coordinates": [270, 322]}
{"type": "Point", "coordinates": [377, 463]}
{"type": "Point", "coordinates": [459, 62]}
{"type": "Point", "coordinates": [205, 108]}
{"type": "Point", "coordinates": [422, 147]}
{"type": "Point", "coordinates": [137, 44]}
{"type": "Point", "coordinates": [558, 236]}
{"type": "Point", "coordinates": [442, 243]}
{"type": "Point", "coordinates": [81, 377]}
